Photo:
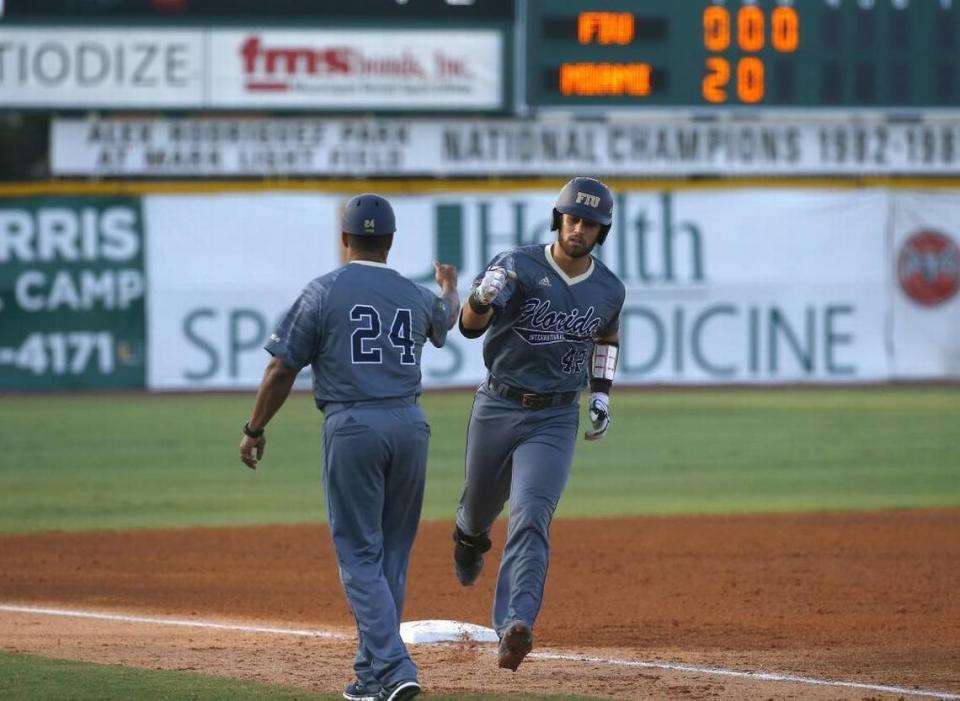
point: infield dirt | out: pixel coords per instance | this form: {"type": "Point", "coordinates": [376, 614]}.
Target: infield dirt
{"type": "Point", "coordinates": [866, 597]}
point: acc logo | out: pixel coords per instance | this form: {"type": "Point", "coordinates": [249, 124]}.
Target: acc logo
{"type": "Point", "coordinates": [588, 199]}
{"type": "Point", "coordinates": [929, 268]}
{"type": "Point", "coordinates": [370, 225]}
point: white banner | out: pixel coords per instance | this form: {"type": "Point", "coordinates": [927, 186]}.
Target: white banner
{"type": "Point", "coordinates": [56, 67]}
{"type": "Point", "coordinates": [926, 302]}
{"type": "Point", "coordinates": [318, 70]}
{"type": "Point", "coordinates": [458, 147]}
{"type": "Point", "coordinates": [752, 286]}
{"type": "Point", "coordinates": [224, 269]}
{"type": "Point", "coordinates": [745, 286]}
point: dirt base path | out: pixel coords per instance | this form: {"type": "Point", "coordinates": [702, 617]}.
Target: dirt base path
{"type": "Point", "coordinates": [868, 598]}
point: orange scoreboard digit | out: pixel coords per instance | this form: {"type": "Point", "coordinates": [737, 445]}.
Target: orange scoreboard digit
{"type": "Point", "coordinates": [817, 54]}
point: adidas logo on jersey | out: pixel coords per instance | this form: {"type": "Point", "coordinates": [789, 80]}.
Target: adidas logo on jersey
{"type": "Point", "coordinates": [544, 281]}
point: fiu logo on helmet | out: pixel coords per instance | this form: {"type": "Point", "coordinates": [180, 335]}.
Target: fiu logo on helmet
{"type": "Point", "coordinates": [588, 199]}
{"type": "Point", "coordinates": [370, 225]}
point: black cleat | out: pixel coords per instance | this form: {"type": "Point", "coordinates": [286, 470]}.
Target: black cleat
{"type": "Point", "coordinates": [358, 691]}
{"type": "Point", "coordinates": [515, 644]}
{"type": "Point", "coordinates": [468, 555]}
{"type": "Point", "coordinates": [401, 691]}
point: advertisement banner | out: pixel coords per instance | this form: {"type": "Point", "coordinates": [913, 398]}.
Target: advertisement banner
{"type": "Point", "coordinates": [72, 292]}
{"type": "Point", "coordinates": [110, 68]}
{"type": "Point", "coordinates": [745, 286]}
{"type": "Point", "coordinates": [395, 70]}
{"type": "Point", "coordinates": [224, 147]}
{"type": "Point", "coordinates": [925, 262]}
{"type": "Point", "coordinates": [388, 69]}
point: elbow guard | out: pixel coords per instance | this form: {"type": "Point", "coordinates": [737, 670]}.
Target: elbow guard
{"type": "Point", "coordinates": [603, 366]}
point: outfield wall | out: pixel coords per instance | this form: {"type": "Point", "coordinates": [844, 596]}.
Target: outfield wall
{"type": "Point", "coordinates": [738, 285]}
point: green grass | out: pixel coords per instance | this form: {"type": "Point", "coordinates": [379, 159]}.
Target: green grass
{"type": "Point", "coordinates": [32, 678]}
{"type": "Point", "coordinates": [93, 462]}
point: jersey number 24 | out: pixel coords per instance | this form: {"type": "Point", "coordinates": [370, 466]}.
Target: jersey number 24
{"type": "Point", "coordinates": [364, 341]}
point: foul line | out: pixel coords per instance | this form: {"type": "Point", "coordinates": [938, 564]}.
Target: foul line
{"type": "Point", "coordinates": [175, 622]}
{"type": "Point", "coordinates": [758, 676]}
{"type": "Point", "coordinates": [565, 657]}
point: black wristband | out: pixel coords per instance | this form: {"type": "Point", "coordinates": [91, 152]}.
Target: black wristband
{"type": "Point", "coordinates": [477, 306]}
{"type": "Point", "coordinates": [472, 333]}
{"type": "Point", "coordinates": [250, 432]}
{"type": "Point", "coordinates": [600, 385]}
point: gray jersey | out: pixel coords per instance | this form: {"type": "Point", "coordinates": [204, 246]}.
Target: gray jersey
{"type": "Point", "coordinates": [362, 328]}
{"type": "Point", "coordinates": [544, 323]}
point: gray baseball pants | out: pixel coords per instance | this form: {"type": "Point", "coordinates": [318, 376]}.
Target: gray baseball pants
{"type": "Point", "coordinates": [524, 456]}
{"type": "Point", "coordinates": [375, 459]}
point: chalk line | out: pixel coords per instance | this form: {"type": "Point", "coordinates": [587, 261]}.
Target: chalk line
{"type": "Point", "coordinates": [563, 657]}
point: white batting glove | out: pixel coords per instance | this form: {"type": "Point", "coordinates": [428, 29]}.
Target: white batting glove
{"type": "Point", "coordinates": [599, 416]}
{"type": "Point", "coordinates": [493, 282]}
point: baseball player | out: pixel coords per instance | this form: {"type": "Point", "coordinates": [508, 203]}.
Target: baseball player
{"type": "Point", "coordinates": [551, 317]}
{"type": "Point", "coordinates": [362, 328]}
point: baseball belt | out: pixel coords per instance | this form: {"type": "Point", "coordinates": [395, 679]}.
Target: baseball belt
{"type": "Point", "coordinates": [530, 400]}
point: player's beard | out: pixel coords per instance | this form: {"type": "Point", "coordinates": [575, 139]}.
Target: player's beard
{"type": "Point", "coordinates": [574, 250]}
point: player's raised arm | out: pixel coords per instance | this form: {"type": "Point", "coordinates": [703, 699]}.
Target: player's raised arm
{"type": "Point", "coordinates": [478, 310]}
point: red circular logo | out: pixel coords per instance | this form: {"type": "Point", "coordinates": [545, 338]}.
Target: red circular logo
{"type": "Point", "coordinates": [929, 268]}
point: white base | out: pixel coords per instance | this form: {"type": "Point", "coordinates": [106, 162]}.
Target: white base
{"type": "Point", "coordinates": [445, 632]}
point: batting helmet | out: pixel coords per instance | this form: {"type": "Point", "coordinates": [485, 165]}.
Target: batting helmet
{"type": "Point", "coordinates": [587, 198]}
{"type": "Point", "coordinates": [368, 214]}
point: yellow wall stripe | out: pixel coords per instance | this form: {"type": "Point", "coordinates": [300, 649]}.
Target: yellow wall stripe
{"type": "Point", "coordinates": [426, 186]}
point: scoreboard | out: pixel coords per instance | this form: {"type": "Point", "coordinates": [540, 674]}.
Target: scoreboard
{"type": "Point", "coordinates": [596, 56]}
{"type": "Point", "coordinates": [890, 55]}
{"type": "Point", "coordinates": [325, 10]}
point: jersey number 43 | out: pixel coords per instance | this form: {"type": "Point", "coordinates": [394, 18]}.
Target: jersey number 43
{"type": "Point", "coordinates": [365, 345]}
{"type": "Point", "coordinates": [572, 360]}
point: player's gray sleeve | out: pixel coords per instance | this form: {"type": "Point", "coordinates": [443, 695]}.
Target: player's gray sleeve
{"type": "Point", "coordinates": [439, 318]}
{"type": "Point", "coordinates": [613, 326]}
{"type": "Point", "coordinates": [297, 338]}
